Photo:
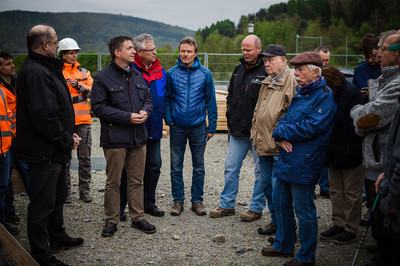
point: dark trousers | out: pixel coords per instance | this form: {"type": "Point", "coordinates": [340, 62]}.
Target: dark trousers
{"type": "Point", "coordinates": [391, 248]}
{"type": "Point", "coordinates": [151, 175]}
{"type": "Point", "coordinates": [45, 212]}
{"type": "Point", "coordinates": [22, 168]}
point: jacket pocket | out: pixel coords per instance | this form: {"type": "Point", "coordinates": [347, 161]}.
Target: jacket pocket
{"type": "Point", "coordinates": [118, 95]}
{"type": "Point", "coordinates": [142, 90]}
{"type": "Point", "coordinates": [119, 134]}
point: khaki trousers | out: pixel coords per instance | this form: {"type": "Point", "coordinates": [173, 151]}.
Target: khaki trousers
{"type": "Point", "coordinates": [346, 196]}
{"type": "Point", "coordinates": [134, 160]}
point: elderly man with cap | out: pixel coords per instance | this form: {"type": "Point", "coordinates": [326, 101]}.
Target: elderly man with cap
{"type": "Point", "coordinates": [275, 95]}
{"type": "Point", "coordinates": [303, 136]}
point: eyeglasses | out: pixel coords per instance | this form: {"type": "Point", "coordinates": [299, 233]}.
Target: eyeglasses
{"type": "Point", "coordinates": [150, 50]}
{"type": "Point", "coordinates": [383, 48]}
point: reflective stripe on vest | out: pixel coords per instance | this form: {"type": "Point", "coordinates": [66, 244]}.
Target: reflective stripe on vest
{"type": "Point", "coordinates": [6, 135]}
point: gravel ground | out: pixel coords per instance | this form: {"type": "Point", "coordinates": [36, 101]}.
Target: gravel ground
{"type": "Point", "coordinates": [186, 239]}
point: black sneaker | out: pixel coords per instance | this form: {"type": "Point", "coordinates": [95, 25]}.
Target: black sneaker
{"type": "Point", "coordinates": [11, 229]}
{"type": "Point", "coordinates": [53, 262]}
{"type": "Point", "coordinates": [109, 229]}
{"type": "Point", "coordinates": [331, 232]}
{"type": "Point", "coordinates": [12, 218]}
{"type": "Point", "coordinates": [67, 243]}
{"type": "Point", "coordinates": [145, 226]}
{"type": "Point", "coordinates": [344, 238]}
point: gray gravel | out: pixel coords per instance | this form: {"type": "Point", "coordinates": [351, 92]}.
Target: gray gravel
{"type": "Point", "coordinates": [186, 239]}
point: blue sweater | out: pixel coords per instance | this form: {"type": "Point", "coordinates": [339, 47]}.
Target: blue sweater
{"type": "Point", "coordinates": [363, 72]}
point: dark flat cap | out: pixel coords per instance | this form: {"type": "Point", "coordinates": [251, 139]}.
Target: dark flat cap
{"type": "Point", "coordinates": [274, 50]}
{"type": "Point", "coordinates": [307, 58]}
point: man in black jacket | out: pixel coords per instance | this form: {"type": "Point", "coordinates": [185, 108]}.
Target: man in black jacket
{"type": "Point", "coordinates": [45, 139]}
{"type": "Point", "coordinates": [122, 101]}
{"type": "Point", "coordinates": [242, 97]}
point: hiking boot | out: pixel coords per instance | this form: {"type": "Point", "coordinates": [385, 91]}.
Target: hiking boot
{"type": "Point", "coordinates": [325, 194]}
{"type": "Point", "coordinates": [67, 243]}
{"type": "Point", "coordinates": [221, 212]}
{"type": "Point", "coordinates": [12, 218]}
{"type": "Point", "coordinates": [344, 238]}
{"type": "Point", "coordinates": [198, 208]}
{"type": "Point", "coordinates": [271, 252]}
{"type": "Point", "coordinates": [109, 229]}
{"type": "Point", "coordinates": [86, 197]}
{"type": "Point", "coordinates": [177, 209]}
{"type": "Point", "coordinates": [331, 232]}
{"type": "Point", "coordinates": [269, 229]}
{"type": "Point", "coordinates": [144, 226]}
{"type": "Point", "coordinates": [11, 229]}
{"type": "Point", "coordinates": [297, 263]}
{"type": "Point", "coordinates": [250, 216]}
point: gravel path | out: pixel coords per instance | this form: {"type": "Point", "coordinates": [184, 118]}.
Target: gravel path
{"type": "Point", "coordinates": [186, 239]}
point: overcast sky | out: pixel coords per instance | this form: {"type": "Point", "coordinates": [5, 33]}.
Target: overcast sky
{"type": "Point", "coordinates": [188, 14]}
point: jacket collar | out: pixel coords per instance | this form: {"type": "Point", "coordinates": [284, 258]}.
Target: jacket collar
{"type": "Point", "coordinates": [121, 71]}
{"type": "Point", "coordinates": [50, 62]}
{"type": "Point", "coordinates": [390, 72]}
{"type": "Point", "coordinates": [258, 62]}
{"type": "Point", "coordinates": [281, 80]}
{"type": "Point", "coordinates": [69, 67]}
{"type": "Point", "coordinates": [195, 65]}
{"type": "Point", "coordinates": [11, 86]}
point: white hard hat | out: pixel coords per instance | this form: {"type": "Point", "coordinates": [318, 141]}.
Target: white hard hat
{"type": "Point", "coordinates": [67, 44]}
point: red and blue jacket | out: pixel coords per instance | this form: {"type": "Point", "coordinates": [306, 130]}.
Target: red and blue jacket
{"type": "Point", "coordinates": [155, 78]}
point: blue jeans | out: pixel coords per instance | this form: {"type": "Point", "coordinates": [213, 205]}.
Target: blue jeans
{"type": "Point", "coordinates": [324, 180]}
{"type": "Point", "coordinates": [237, 151]}
{"type": "Point", "coordinates": [197, 143]}
{"type": "Point", "coordinates": [4, 176]}
{"type": "Point", "coordinates": [285, 196]}
{"type": "Point", "coordinates": [22, 168]}
{"type": "Point", "coordinates": [264, 185]}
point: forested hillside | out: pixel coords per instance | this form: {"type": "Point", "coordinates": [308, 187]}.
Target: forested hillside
{"type": "Point", "coordinates": [302, 24]}
{"type": "Point", "coordinates": [91, 30]}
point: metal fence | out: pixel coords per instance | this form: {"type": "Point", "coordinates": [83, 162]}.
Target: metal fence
{"type": "Point", "coordinates": [220, 65]}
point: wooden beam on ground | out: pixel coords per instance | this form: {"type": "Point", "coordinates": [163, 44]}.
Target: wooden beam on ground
{"type": "Point", "coordinates": [14, 249]}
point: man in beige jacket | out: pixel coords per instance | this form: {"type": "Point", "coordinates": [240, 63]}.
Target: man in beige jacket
{"type": "Point", "coordinates": [275, 95]}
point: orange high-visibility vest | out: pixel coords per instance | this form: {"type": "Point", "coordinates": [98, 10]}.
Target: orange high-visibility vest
{"type": "Point", "coordinates": [82, 108]}
{"type": "Point", "coordinates": [12, 105]}
{"type": "Point", "coordinates": [5, 130]}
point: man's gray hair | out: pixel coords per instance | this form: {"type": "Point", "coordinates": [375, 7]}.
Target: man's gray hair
{"type": "Point", "coordinates": [384, 35]}
{"type": "Point", "coordinates": [321, 48]}
{"type": "Point", "coordinates": [313, 67]}
{"type": "Point", "coordinates": [140, 40]}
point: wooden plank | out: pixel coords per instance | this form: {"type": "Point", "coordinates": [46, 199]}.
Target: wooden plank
{"type": "Point", "coordinates": [14, 249]}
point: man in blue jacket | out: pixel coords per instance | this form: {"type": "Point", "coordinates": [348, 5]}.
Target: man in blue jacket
{"type": "Point", "coordinates": [303, 136]}
{"type": "Point", "coordinates": [121, 99]}
{"type": "Point", "coordinates": [189, 99]}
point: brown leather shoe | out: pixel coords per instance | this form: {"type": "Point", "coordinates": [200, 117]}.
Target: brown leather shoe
{"type": "Point", "coordinates": [271, 252]}
{"type": "Point", "coordinates": [177, 208]}
{"type": "Point", "coordinates": [198, 208]}
{"type": "Point", "coordinates": [221, 212]}
{"type": "Point", "coordinates": [250, 216]}
{"type": "Point", "coordinates": [297, 263]}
